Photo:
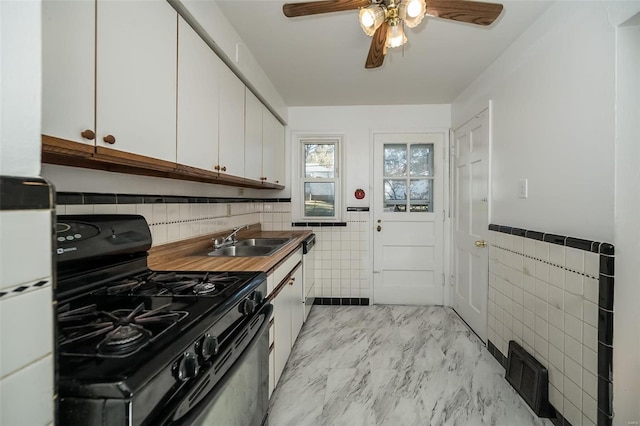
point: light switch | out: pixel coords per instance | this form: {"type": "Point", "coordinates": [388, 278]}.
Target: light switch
{"type": "Point", "coordinates": [523, 188]}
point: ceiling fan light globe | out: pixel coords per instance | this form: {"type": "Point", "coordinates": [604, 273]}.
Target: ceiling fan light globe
{"type": "Point", "coordinates": [412, 12]}
{"type": "Point", "coordinates": [371, 17]}
{"type": "Point", "coordinates": [395, 36]}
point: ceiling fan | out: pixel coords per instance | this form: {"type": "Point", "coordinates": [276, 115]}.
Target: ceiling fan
{"type": "Point", "coordinates": [385, 19]}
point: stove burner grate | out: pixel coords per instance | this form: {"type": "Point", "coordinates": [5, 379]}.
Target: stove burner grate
{"type": "Point", "coordinates": [171, 284]}
{"type": "Point", "coordinates": [119, 333]}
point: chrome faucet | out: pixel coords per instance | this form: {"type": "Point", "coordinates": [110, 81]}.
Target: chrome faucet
{"type": "Point", "coordinates": [230, 240]}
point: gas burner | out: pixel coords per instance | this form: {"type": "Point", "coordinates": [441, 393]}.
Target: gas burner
{"type": "Point", "coordinates": [124, 339]}
{"type": "Point", "coordinates": [205, 288]}
{"type": "Point", "coordinates": [119, 333]}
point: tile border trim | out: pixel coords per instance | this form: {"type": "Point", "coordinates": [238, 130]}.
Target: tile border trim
{"type": "Point", "coordinates": [606, 283]}
{"type": "Point", "coordinates": [23, 288]}
{"type": "Point", "coordinates": [342, 301]}
{"type": "Point", "coordinates": [26, 193]}
{"type": "Point", "coordinates": [318, 224]}
{"type": "Point", "coordinates": [78, 198]}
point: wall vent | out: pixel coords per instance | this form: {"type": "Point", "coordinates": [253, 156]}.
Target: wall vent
{"type": "Point", "coordinates": [530, 379]}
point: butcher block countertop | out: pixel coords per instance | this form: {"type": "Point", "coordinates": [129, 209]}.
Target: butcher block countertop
{"type": "Point", "coordinates": [191, 255]}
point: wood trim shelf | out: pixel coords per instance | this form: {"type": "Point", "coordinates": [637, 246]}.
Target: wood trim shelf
{"type": "Point", "coordinates": [68, 153]}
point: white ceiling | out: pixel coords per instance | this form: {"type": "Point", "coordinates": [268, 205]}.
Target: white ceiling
{"type": "Point", "coordinates": [319, 60]}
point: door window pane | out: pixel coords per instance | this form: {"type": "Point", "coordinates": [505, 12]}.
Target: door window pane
{"type": "Point", "coordinates": [421, 160]}
{"type": "Point", "coordinates": [395, 160]}
{"type": "Point", "coordinates": [319, 199]}
{"type": "Point", "coordinates": [395, 195]}
{"type": "Point", "coordinates": [320, 160]}
{"type": "Point", "coordinates": [421, 193]}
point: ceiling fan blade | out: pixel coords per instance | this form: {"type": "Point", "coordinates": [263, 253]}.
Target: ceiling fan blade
{"type": "Point", "coordinates": [291, 10]}
{"type": "Point", "coordinates": [472, 12]}
{"type": "Point", "coordinates": [375, 58]}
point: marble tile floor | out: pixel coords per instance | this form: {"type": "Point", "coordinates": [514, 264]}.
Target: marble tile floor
{"type": "Point", "coordinates": [395, 366]}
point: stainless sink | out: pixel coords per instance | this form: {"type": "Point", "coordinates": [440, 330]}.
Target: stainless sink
{"type": "Point", "coordinates": [269, 242]}
{"type": "Point", "coordinates": [251, 247]}
{"type": "Point", "coordinates": [243, 251]}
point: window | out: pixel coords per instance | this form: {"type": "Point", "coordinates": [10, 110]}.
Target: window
{"type": "Point", "coordinates": [408, 170]}
{"type": "Point", "coordinates": [319, 183]}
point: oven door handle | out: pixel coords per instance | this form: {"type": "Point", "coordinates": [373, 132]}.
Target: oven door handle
{"type": "Point", "coordinates": [192, 415]}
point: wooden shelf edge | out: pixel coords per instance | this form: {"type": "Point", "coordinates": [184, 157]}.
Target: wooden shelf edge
{"type": "Point", "coordinates": [68, 153]}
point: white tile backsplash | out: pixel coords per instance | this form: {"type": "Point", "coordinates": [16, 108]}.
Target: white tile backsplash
{"type": "Point", "coordinates": [553, 314]}
{"type": "Point", "coordinates": [26, 317]}
{"type": "Point", "coordinates": [27, 395]}
{"type": "Point", "coordinates": [25, 247]}
{"type": "Point", "coordinates": [26, 328]}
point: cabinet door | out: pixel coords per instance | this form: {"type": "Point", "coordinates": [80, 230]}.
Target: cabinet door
{"type": "Point", "coordinates": [198, 97]}
{"type": "Point", "coordinates": [296, 299]}
{"type": "Point", "coordinates": [68, 69]}
{"type": "Point", "coordinates": [231, 143]}
{"type": "Point", "coordinates": [136, 77]}
{"type": "Point", "coordinates": [252, 136]}
{"type": "Point", "coordinates": [282, 330]}
{"type": "Point", "coordinates": [273, 148]}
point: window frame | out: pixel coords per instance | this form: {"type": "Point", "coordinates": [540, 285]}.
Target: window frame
{"type": "Point", "coordinates": [310, 139]}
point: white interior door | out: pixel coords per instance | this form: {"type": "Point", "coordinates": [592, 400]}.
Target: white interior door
{"type": "Point", "coordinates": [471, 221]}
{"type": "Point", "coordinates": [408, 219]}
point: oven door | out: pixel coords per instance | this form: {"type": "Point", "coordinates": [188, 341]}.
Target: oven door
{"type": "Point", "coordinates": [241, 396]}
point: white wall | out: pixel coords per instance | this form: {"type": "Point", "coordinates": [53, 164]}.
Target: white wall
{"type": "Point", "coordinates": [357, 124]}
{"type": "Point", "coordinates": [626, 336]}
{"type": "Point", "coordinates": [20, 81]}
{"type": "Point", "coordinates": [553, 123]}
{"type": "Point", "coordinates": [555, 97]}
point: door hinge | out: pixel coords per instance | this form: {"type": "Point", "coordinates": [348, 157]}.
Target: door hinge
{"type": "Point", "coordinates": [443, 280]}
{"type": "Point", "coordinates": [444, 214]}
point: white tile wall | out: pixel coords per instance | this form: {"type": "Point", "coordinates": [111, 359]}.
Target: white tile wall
{"type": "Point", "coordinates": [175, 222]}
{"type": "Point", "coordinates": [342, 256]}
{"type": "Point", "coordinates": [26, 318]}
{"type": "Point", "coordinates": [544, 296]}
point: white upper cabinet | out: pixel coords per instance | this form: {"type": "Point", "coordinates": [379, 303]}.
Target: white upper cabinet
{"type": "Point", "coordinates": [272, 148]}
{"type": "Point", "coordinates": [198, 98]}
{"type": "Point", "coordinates": [68, 70]}
{"type": "Point", "coordinates": [136, 77]}
{"type": "Point", "coordinates": [253, 136]}
{"type": "Point", "coordinates": [231, 133]}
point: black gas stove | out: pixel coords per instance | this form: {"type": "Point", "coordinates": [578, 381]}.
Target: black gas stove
{"type": "Point", "coordinates": [142, 347]}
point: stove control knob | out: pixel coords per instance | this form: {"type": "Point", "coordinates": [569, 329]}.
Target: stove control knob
{"type": "Point", "coordinates": [257, 297]}
{"type": "Point", "coordinates": [187, 367]}
{"type": "Point", "coordinates": [248, 306]}
{"type": "Point", "coordinates": [209, 346]}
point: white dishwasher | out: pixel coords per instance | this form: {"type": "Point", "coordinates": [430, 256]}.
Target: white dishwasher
{"type": "Point", "coordinates": [308, 273]}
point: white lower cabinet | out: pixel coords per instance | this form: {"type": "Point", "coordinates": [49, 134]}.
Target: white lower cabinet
{"type": "Point", "coordinates": [288, 314]}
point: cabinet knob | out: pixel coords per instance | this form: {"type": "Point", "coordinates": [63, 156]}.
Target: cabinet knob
{"type": "Point", "coordinates": [217, 167]}
{"type": "Point", "coordinates": [88, 134]}
{"type": "Point", "coordinates": [224, 168]}
{"type": "Point", "coordinates": [110, 139]}
{"type": "Point", "coordinates": [277, 181]}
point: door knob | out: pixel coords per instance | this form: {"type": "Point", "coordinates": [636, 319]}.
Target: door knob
{"type": "Point", "coordinates": [379, 228]}
{"type": "Point", "coordinates": [481, 243]}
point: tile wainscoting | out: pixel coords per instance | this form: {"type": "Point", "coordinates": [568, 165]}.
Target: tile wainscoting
{"type": "Point", "coordinates": [554, 296]}
{"type": "Point", "coordinates": [342, 259]}
{"type": "Point", "coordinates": [26, 302]}
{"type": "Point", "coordinates": [172, 218]}
{"type": "Point", "coordinates": [342, 248]}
